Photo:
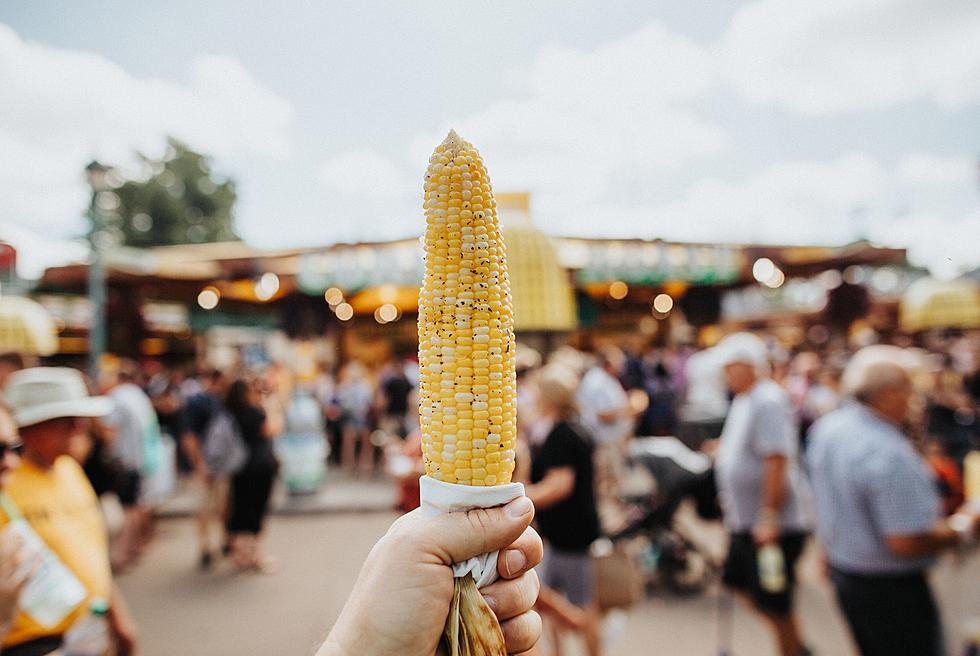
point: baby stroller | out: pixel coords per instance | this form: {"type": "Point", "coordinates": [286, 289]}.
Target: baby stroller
{"type": "Point", "coordinates": [668, 557]}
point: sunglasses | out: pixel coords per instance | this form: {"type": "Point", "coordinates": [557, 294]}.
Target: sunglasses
{"type": "Point", "coordinates": [15, 448]}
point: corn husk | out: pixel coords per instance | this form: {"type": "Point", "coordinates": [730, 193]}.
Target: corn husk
{"type": "Point", "coordinates": [472, 628]}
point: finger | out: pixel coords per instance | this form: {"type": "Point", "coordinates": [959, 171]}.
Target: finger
{"type": "Point", "coordinates": [508, 599]}
{"type": "Point", "coordinates": [521, 632]}
{"type": "Point", "coordinates": [526, 552]}
{"type": "Point", "coordinates": [457, 536]}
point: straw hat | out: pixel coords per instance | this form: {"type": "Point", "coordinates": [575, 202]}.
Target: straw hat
{"type": "Point", "coordinates": [43, 393]}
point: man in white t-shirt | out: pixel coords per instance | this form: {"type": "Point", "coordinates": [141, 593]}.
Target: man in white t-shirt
{"type": "Point", "coordinates": [135, 438]}
{"type": "Point", "coordinates": [761, 485]}
{"type": "Point", "coordinates": [604, 411]}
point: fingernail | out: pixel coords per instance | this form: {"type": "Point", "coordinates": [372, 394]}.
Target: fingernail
{"type": "Point", "coordinates": [514, 561]}
{"type": "Point", "coordinates": [491, 602]}
{"type": "Point", "coordinates": [519, 507]}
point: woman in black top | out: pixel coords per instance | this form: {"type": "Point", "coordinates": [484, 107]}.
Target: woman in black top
{"type": "Point", "coordinates": [252, 486]}
{"type": "Point", "coordinates": [563, 495]}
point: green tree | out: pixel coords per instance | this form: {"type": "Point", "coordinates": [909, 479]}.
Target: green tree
{"type": "Point", "coordinates": [180, 200]}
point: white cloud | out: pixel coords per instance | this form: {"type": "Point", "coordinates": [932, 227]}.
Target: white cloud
{"type": "Point", "coordinates": [363, 172]}
{"type": "Point", "coordinates": [595, 129]}
{"type": "Point", "coordinates": [935, 171]}
{"type": "Point", "coordinates": [36, 252]}
{"type": "Point", "coordinates": [946, 243]}
{"type": "Point", "coordinates": [788, 202]}
{"type": "Point", "coordinates": [812, 202]}
{"type": "Point", "coordinates": [60, 108]}
{"type": "Point", "coordinates": [591, 119]}
{"type": "Point", "coordinates": [848, 55]}
{"type": "Point", "coordinates": [586, 124]}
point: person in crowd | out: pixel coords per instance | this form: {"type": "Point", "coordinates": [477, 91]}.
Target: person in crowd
{"type": "Point", "coordinates": [878, 510]}
{"type": "Point", "coordinates": [405, 465]}
{"type": "Point", "coordinates": [606, 415]}
{"type": "Point", "coordinates": [393, 394]}
{"type": "Point", "coordinates": [260, 421]}
{"type": "Point", "coordinates": [13, 574]}
{"type": "Point", "coordinates": [355, 397]}
{"type": "Point", "coordinates": [402, 597]}
{"type": "Point", "coordinates": [660, 415]}
{"type": "Point", "coordinates": [49, 489]}
{"type": "Point", "coordinates": [949, 410]}
{"type": "Point", "coordinates": [808, 388]}
{"type": "Point", "coordinates": [705, 400]}
{"type": "Point", "coordinates": [325, 391]}
{"type": "Point", "coordinates": [199, 410]}
{"type": "Point", "coordinates": [135, 439]}
{"type": "Point", "coordinates": [761, 485]}
{"type": "Point", "coordinates": [562, 490]}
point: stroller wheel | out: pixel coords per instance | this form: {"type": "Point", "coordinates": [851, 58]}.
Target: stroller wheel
{"type": "Point", "coordinates": [686, 569]}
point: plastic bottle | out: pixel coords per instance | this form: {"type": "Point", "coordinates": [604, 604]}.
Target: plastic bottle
{"type": "Point", "coordinates": [89, 635]}
{"type": "Point", "coordinates": [772, 568]}
{"type": "Point", "coordinates": [971, 632]}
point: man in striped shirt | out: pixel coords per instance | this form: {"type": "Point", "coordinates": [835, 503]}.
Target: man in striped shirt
{"type": "Point", "coordinates": [878, 510]}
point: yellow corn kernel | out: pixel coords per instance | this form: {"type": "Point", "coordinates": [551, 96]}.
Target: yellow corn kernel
{"type": "Point", "coordinates": [466, 325]}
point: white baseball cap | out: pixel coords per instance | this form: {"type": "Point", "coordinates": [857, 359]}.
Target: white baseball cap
{"type": "Point", "coordinates": [741, 347]}
{"type": "Point", "coordinates": [43, 393]}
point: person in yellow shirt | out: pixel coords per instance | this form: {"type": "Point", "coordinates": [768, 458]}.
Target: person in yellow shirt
{"type": "Point", "coordinates": [50, 491]}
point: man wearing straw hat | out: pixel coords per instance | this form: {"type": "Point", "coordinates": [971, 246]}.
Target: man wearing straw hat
{"type": "Point", "coordinates": [49, 490]}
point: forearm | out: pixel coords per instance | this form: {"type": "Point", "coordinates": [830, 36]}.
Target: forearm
{"type": "Point", "coordinates": [543, 496]}
{"type": "Point", "coordinates": [192, 449]}
{"type": "Point", "coordinates": [774, 488]}
{"type": "Point", "coordinates": [556, 486]}
{"type": "Point", "coordinates": [923, 545]}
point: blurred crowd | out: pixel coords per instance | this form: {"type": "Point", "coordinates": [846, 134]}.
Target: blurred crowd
{"type": "Point", "coordinates": [765, 415]}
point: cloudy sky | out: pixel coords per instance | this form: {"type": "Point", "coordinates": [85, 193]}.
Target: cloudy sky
{"type": "Point", "coordinates": [785, 121]}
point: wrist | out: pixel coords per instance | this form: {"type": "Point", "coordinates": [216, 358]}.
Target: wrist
{"type": "Point", "coordinates": [963, 527]}
{"type": "Point", "coordinates": [768, 516]}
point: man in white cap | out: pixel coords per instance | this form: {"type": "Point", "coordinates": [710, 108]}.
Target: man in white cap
{"type": "Point", "coordinates": [49, 490]}
{"type": "Point", "coordinates": [761, 486]}
{"type": "Point", "coordinates": [879, 512]}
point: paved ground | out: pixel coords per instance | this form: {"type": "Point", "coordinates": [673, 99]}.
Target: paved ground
{"type": "Point", "coordinates": [183, 611]}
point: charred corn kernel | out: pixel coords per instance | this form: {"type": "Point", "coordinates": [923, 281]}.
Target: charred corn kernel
{"type": "Point", "coordinates": [466, 325]}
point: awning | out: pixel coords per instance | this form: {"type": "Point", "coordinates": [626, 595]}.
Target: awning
{"type": "Point", "coordinates": [26, 327]}
{"type": "Point", "coordinates": [929, 304]}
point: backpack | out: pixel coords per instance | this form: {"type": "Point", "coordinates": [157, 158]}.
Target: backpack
{"type": "Point", "coordinates": [224, 449]}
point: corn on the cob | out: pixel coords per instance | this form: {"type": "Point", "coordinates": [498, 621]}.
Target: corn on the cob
{"type": "Point", "coordinates": [466, 326]}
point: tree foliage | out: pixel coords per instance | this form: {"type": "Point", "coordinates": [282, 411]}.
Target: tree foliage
{"type": "Point", "coordinates": [179, 200]}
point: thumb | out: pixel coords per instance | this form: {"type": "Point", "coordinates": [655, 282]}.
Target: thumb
{"type": "Point", "coordinates": [458, 536]}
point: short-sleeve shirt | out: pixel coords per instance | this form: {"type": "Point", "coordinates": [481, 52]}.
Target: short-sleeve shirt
{"type": "Point", "coordinates": [251, 421]}
{"type": "Point", "coordinates": [62, 508]}
{"type": "Point", "coordinates": [133, 418]}
{"type": "Point", "coordinates": [760, 424]}
{"type": "Point", "coordinates": [868, 483]}
{"type": "Point", "coordinates": [571, 524]}
{"type": "Point", "coordinates": [198, 412]}
{"type": "Point", "coordinates": [599, 393]}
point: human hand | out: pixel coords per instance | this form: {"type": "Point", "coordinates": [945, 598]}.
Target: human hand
{"type": "Point", "coordinates": [766, 530]}
{"type": "Point", "coordinates": [965, 522]}
{"type": "Point", "coordinates": [710, 447]}
{"type": "Point", "coordinates": [402, 596]}
{"type": "Point", "coordinates": [13, 574]}
{"type": "Point", "coordinates": [126, 640]}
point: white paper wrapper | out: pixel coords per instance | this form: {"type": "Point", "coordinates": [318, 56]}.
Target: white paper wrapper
{"type": "Point", "coordinates": [439, 498]}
